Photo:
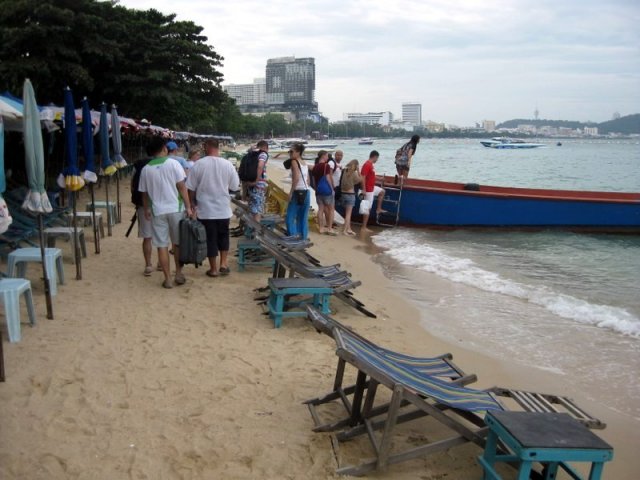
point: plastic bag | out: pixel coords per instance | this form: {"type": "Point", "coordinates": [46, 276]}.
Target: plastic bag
{"type": "Point", "coordinates": [365, 206]}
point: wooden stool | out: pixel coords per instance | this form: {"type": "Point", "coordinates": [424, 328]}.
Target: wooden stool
{"type": "Point", "coordinates": [18, 259]}
{"type": "Point", "coordinates": [52, 233]}
{"type": "Point", "coordinates": [250, 253]}
{"type": "Point", "coordinates": [281, 288]}
{"type": "Point", "coordinates": [551, 439]}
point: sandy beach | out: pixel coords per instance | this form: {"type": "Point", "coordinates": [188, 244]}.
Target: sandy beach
{"type": "Point", "coordinates": [134, 381]}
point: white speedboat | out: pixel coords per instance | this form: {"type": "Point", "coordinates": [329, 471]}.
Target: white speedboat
{"type": "Point", "coordinates": [365, 141]}
{"type": "Point", "coordinates": [509, 143]}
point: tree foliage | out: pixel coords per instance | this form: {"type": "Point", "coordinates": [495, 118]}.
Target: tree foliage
{"type": "Point", "coordinates": [147, 63]}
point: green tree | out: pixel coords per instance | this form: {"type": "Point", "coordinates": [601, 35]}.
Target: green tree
{"type": "Point", "coordinates": [146, 62]}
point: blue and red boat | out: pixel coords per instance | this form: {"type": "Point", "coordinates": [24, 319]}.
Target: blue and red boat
{"type": "Point", "coordinates": [447, 205]}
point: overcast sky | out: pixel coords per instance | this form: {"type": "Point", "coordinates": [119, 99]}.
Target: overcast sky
{"type": "Point", "coordinates": [465, 61]}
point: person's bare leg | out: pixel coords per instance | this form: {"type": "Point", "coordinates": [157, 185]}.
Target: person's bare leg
{"type": "Point", "coordinates": [212, 264]}
{"type": "Point", "coordinates": [224, 255]}
{"type": "Point", "coordinates": [380, 200]}
{"type": "Point", "coordinates": [163, 259]}
{"type": "Point", "coordinates": [347, 219]}
{"type": "Point", "coordinates": [330, 214]}
{"type": "Point", "coordinates": [146, 251]}
{"type": "Point", "coordinates": [176, 258]}
{"type": "Point", "coordinates": [365, 222]}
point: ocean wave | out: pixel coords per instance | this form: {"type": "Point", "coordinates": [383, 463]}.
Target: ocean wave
{"type": "Point", "coordinates": [404, 247]}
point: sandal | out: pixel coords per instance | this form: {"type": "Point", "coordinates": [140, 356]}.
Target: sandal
{"type": "Point", "coordinates": [331, 232]}
{"type": "Point", "coordinates": [148, 270]}
{"type": "Point", "coordinates": [350, 233]}
{"type": "Point", "coordinates": [167, 284]}
{"type": "Point", "coordinates": [180, 280]}
{"type": "Point", "coordinates": [225, 271]}
{"type": "Point", "coordinates": [211, 273]}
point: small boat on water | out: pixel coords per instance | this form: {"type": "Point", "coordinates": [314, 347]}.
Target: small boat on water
{"type": "Point", "coordinates": [506, 143]}
{"type": "Point", "coordinates": [447, 205]}
{"type": "Point", "coordinates": [365, 141]}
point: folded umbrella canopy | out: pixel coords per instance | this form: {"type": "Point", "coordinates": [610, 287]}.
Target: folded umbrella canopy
{"type": "Point", "coordinates": [108, 168]}
{"type": "Point", "coordinates": [120, 162]}
{"type": "Point", "coordinates": [37, 201]}
{"type": "Point", "coordinates": [72, 179]}
{"type": "Point", "coordinates": [89, 175]}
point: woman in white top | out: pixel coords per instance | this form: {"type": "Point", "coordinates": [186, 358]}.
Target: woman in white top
{"type": "Point", "coordinates": [298, 209]}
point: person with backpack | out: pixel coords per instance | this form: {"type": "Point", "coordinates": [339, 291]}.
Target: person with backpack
{"type": "Point", "coordinates": [350, 179]}
{"type": "Point", "coordinates": [253, 175]}
{"type": "Point", "coordinates": [323, 181]}
{"type": "Point", "coordinates": [404, 155]}
{"type": "Point", "coordinates": [297, 219]}
{"type": "Point", "coordinates": [144, 225]}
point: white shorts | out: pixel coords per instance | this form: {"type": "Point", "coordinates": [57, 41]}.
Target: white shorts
{"type": "Point", "coordinates": [166, 229]}
{"type": "Point", "coordinates": [144, 225]}
{"type": "Point", "coordinates": [371, 196]}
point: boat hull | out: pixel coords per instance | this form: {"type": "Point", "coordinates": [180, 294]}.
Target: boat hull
{"type": "Point", "coordinates": [455, 205]}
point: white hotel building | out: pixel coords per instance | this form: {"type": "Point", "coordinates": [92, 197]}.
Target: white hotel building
{"type": "Point", "coordinates": [372, 118]}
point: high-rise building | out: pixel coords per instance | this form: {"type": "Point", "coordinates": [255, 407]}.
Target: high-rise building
{"type": "Point", "coordinates": [247, 93]}
{"type": "Point", "coordinates": [291, 84]}
{"type": "Point", "coordinates": [412, 113]}
{"type": "Point", "coordinates": [371, 118]}
{"type": "Point", "coordinates": [489, 125]}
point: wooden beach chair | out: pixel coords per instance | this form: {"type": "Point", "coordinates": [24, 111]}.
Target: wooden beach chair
{"type": "Point", "coordinates": [298, 264]}
{"type": "Point", "coordinates": [416, 394]}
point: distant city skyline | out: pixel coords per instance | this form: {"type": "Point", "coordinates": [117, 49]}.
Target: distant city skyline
{"type": "Point", "coordinates": [465, 62]}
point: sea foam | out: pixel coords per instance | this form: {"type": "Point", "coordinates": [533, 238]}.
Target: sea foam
{"type": "Point", "coordinates": [407, 249]}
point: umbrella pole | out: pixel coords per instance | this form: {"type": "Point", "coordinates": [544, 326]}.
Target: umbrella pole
{"type": "Point", "coordinates": [76, 243]}
{"type": "Point", "coordinates": [106, 188]}
{"type": "Point", "coordinates": [47, 286]}
{"type": "Point", "coordinates": [96, 236]}
{"type": "Point", "coordinates": [119, 219]}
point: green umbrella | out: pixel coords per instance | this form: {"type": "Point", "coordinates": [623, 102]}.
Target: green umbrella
{"type": "Point", "coordinates": [37, 201]}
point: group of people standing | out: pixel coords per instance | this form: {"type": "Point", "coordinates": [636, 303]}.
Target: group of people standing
{"type": "Point", "coordinates": [166, 187]}
{"type": "Point", "coordinates": [334, 182]}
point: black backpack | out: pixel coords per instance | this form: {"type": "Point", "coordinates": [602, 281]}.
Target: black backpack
{"type": "Point", "coordinates": [248, 169]}
{"type": "Point", "coordinates": [136, 195]}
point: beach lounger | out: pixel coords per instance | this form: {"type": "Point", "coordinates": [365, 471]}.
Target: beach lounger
{"type": "Point", "coordinates": [298, 264]}
{"type": "Point", "coordinates": [415, 394]}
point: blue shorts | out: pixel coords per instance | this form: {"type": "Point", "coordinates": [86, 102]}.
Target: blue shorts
{"type": "Point", "coordinates": [324, 199]}
{"type": "Point", "coordinates": [348, 199]}
{"type": "Point", "coordinates": [256, 200]}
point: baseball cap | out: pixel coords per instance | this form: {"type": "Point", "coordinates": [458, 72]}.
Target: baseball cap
{"type": "Point", "coordinates": [172, 146]}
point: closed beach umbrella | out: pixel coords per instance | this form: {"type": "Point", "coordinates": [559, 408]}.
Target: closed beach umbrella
{"type": "Point", "coordinates": [37, 201]}
{"type": "Point", "coordinates": [5, 217]}
{"type": "Point", "coordinates": [108, 168]}
{"type": "Point", "coordinates": [72, 179]}
{"type": "Point", "coordinates": [89, 175]}
{"type": "Point", "coordinates": [118, 159]}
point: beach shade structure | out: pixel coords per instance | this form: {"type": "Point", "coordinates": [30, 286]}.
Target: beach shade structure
{"type": "Point", "coordinates": [118, 159]}
{"type": "Point", "coordinates": [37, 201]}
{"type": "Point", "coordinates": [5, 216]}
{"type": "Point", "coordinates": [89, 175]}
{"type": "Point", "coordinates": [108, 168]}
{"type": "Point", "coordinates": [72, 179]}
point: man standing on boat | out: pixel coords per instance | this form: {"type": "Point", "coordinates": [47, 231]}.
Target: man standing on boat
{"type": "Point", "coordinates": [372, 191]}
{"type": "Point", "coordinates": [404, 155]}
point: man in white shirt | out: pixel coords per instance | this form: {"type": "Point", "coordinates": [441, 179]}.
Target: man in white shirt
{"type": "Point", "coordinates": [336, 167]}
{"type": "Point", "coordinates": [209, 182]}
{"type": "Point", "coordinates": [165, 201]}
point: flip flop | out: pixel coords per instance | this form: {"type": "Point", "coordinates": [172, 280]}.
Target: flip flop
{"type": "Point", "coordinates": [180, 280]}
{"type": "Point", "coordinates": [211, 273]}
{"type": "Point", "coordinates": [167, 284]}
{"type": "Point", "coordinates": [225, 271]}
{"type": "Point", "coordinates": [148, 271]}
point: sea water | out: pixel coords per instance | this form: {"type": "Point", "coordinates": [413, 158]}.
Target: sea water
{"type": "Point", "coordinates": [558, 301]}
